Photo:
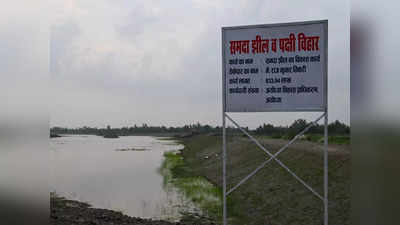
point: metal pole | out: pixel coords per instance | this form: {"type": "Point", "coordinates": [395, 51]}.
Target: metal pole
{"type": "Point", "coordinates": [326, 127]}
{"type": "Point", "coordinates": [326, 170]}
{"type": "Point", "coordinates": [224, 210]}
{"type": "Point", "coordinates": [224, 168]}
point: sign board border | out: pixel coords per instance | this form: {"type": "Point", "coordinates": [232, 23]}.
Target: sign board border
{"type": "Point", "coordinates": [325, 64]}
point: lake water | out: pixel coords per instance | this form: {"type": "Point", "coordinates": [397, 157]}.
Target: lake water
{"type": "Point", "coordinates": [88, 168]}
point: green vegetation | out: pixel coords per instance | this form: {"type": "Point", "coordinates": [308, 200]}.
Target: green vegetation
{"type": "Point", "coordinates": [317, 138]}
{"type": "Point", "coordinates": [144, 129]}
{"type": "Point", "coordinates": [332, 139]}
{"type": "Point", "coordinates": [272, 196]}
{"type": "Point", "coordinates": [339, 133]}
{"type": "Point", "coordinates": [54, 135]}
{"type": "Point", "coordinates": [199, 190]}
{"type": "Point", "coordinates": [335, 129]}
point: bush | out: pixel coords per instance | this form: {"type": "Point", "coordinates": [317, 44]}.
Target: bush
{"type": "Point", "coordinates": [277, 136]}
{"type": "Point", "coordinates": [314, 137]}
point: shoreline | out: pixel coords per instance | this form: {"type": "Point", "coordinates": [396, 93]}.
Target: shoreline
{"type": "Point", "coordinates": [204, 195]}
{"type": "Point", "coordinates": [66, 212]}
{"type": "Point", "coordinates": [201, 191]}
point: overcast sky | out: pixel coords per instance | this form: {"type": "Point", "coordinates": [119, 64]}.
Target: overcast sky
{"type": "Point", "coordinates": [122, 62]}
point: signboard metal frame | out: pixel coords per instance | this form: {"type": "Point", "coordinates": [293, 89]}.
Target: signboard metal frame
{"type": "Point", "coordinates": [324, 109]}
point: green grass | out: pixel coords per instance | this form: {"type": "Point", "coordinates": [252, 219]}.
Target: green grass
{"type": "Point", "coordinates": [199, 190]}
{"type": "Point", "coordinates": [272, 196]}
{"type": "Point", "coordinates": [332, 139]}
{"type": "Point", "coordinates": [317, 138]}
{"type": "Point", "coordinates": [341, 140]}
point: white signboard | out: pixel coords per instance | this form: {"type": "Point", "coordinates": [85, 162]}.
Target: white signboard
{"type": "Point", "coordinates": [277, 67]}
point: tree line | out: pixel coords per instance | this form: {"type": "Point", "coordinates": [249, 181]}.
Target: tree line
{"type": "Point", "coordinates": [334, 128]}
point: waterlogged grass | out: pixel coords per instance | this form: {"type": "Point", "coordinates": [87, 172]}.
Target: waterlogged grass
{"type": "Point", "coordinates": [202, 192]}
{"type": "Point", "coordinates": [199, 190]}
{"type": "Point", "coordinates": [171, 160]}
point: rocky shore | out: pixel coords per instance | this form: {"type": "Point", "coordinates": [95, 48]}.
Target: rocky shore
{"type": "Point", "coordinates": [68, 212]}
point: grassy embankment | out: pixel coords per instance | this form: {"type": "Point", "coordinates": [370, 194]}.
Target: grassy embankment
{"type": "Point", "coordinates": [272, 196]}
{"type": "Point", "coordinates": [197, 188]}
{"type": "Point", "coordinates": [335, 139]}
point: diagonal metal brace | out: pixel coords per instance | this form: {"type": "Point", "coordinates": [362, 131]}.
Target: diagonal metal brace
{"type": "Point", "coordinates": [250, 175]}
{"type": "Point", "coordinates": [299, 135]}
{"type": "Point", "coordinates": [273, 156]}
{"type": "Point", "coordinates": [248, 135]}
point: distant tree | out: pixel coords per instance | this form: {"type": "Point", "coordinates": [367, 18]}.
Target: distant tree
{"type": "Point", "coordinates": [296, 127]}
{"type": "Point", "coordinates": [338, 128]}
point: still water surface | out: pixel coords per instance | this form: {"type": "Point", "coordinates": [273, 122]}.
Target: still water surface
{"type": "Point", "coordinates": [88, 168]}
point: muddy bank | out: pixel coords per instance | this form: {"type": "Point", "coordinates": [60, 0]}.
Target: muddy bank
{"type": "Point", "coordinates": [67, 212]}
